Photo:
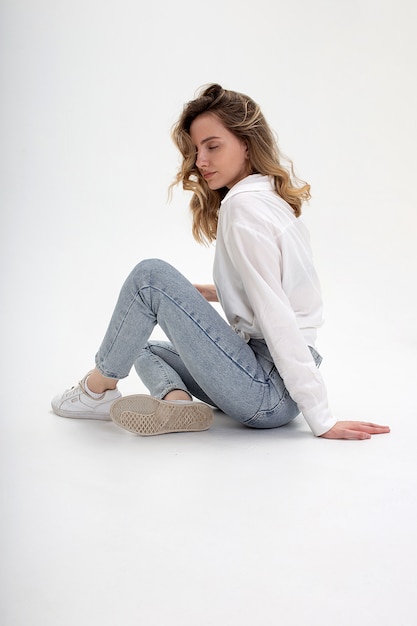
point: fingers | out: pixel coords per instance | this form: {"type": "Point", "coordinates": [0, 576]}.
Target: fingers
{"type": "Point", "coordinates": [373, 429]}
{"type": "Point", "coordinates": [356, 434]}
{"type": "Point", "coordinates": [346, 433]}
{"type": "Point", "coordinates": [355, 430]}
{"type": "Point", "coordinates": [372, 425]}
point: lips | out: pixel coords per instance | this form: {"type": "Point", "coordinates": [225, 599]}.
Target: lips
{"type": "Point", "coordinates": [208, 175]}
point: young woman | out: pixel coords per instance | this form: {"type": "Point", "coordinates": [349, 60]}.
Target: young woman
{"type": "Point", "coordinates": [261, 367]}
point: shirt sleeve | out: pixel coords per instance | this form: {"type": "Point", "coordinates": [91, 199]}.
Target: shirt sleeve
{"type": "Point", "coordinates": [257, 258]}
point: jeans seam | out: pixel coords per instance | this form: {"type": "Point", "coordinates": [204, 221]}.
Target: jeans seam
{"type": "Point", "coordinates": [180, 306]}
{"type": "Point", "coordinates": [116, 334]}
{"type": "Point", "coordinates": [169, 384]}
{"type": "Point", "coordinates": [167, 380]}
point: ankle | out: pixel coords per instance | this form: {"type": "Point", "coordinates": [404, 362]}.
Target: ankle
{"type": "Point", "coordinates": [177, 394]}
{"type": "Point", "coordinates": [97, 383]}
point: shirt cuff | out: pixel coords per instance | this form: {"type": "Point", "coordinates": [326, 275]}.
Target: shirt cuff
{"type": "Point", "coordinates": [319, 422]}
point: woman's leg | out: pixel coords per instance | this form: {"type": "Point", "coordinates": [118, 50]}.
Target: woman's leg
{"type": "Point", "coordinates": [221, 363]}
{"type": "Point", "coordinates": [225, 369]}
{"type": "Point", "coordinates": [160, 367]}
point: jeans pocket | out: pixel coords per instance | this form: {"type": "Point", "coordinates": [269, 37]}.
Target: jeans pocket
{"type": "Point", "coordinates": [285, 409]}
{"type": "Point", "coordinates": [283, 413]}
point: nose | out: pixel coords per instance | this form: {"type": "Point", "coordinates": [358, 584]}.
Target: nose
{"type": "Point", "coordinates": [201, 160]}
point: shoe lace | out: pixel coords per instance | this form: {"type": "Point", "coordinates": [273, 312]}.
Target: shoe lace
{"type": "Point", "coordinates": [75, 390]}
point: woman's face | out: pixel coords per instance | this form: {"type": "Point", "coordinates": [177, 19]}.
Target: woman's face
{"type": "Point", "coordinates": [221, 157]}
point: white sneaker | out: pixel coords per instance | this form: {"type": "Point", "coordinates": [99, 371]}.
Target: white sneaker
{"type": "Point", "coordinates": [77, 402]}
{"type": "Point", "coordinates": [145, 415]}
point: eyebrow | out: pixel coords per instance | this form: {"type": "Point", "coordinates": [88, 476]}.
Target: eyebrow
{"type": "Point", "coordinates": [208, 139]}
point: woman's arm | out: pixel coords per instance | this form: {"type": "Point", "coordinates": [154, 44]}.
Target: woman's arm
{"type": "Point", "coordinates": [256, 258]}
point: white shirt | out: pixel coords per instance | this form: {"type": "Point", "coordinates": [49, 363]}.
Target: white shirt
{"type": "Point", "coordinates": [268, 287]}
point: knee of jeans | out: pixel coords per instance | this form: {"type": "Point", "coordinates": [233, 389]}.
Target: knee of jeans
{"type": "Point", "coordinates": [151, 266]}
{"type": "Point", "coordinates": [145, 353]}
{"type": "Point", "coordinates": [146, 273]}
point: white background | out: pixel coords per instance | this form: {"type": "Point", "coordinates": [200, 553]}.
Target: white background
{"type": "Point", "coordinates": [89, 92]}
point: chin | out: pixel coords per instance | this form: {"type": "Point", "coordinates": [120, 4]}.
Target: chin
{"type": "Point", "coordinates": [214, 186]}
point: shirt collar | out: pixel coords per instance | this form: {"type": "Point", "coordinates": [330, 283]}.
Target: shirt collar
{"type": "Point", "coordinates": [254, 182]}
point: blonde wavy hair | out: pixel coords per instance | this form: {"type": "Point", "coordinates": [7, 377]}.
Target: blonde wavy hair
{"type": "Point", "coordinates": [243, 117]}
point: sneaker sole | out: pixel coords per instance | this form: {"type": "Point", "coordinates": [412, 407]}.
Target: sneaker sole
{"type": "Point", "coordinates": [86, 416]}
{"type": "Point", "coordinates": [145, 415]}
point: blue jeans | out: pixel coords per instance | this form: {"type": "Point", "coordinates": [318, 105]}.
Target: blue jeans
{"type": "Point", "coordinates": [204, 355]}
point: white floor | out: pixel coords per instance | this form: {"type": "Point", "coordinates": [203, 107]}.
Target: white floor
{"type": "Point", "coordinates": [229, 526]}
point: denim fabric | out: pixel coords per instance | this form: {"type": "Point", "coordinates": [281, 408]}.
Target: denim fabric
{"type": "Point", "coordinates": [204, 355]}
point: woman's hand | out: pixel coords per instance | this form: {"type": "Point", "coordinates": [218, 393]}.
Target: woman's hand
{"type": "Point", "coordinates": [354, 430]}
{"type": "Point", "coordinates": [208, 291]}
